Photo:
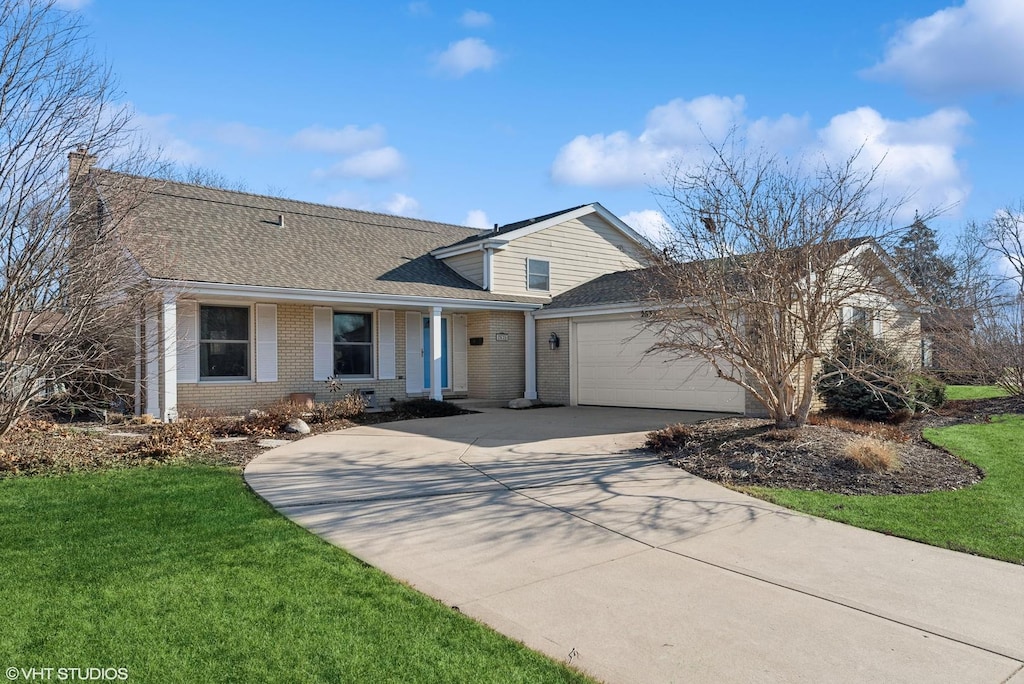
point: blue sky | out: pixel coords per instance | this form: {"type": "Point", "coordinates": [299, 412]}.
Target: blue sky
{"type": "Point", "coordinates": [485, 113]}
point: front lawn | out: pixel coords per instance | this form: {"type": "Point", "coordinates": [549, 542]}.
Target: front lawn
{"type": "Point", "coordinates": [974, 392]}
{"type": "Point", "coordinates": [180, 574]}
{"type": "Point", "coordinates": [985, 519]}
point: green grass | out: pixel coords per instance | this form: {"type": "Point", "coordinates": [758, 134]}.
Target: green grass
{"type": "Point", "coordinates": [180, 574]}
{"type": "Point", "coordinates": [985, 519]}
{"type": "Point", "coordinates": [974, 392]}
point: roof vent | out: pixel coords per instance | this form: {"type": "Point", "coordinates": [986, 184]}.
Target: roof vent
{"type": "Point", "coordinates": [280, 220]}
{"type": "Point", "coordinates": [495, 227]}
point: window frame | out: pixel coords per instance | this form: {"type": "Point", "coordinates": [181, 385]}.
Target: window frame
{"type": "Point", "coordinates": [201, 341]}
{"type": "Point", "coordinates": [530, 274]}
{"type": "Point", "coordinates": [370, 317]}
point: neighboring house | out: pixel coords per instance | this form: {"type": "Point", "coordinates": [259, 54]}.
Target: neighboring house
{"type": "Point", "coordinates": [256, 298]}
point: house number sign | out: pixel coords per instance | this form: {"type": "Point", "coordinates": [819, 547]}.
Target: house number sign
{"type": "Point", "coordinates": [501, 337]}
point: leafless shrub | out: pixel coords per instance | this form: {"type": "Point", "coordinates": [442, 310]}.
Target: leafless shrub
{"type": "Point", "coordinates": [182, 437]}
{"type": "Point", "coordinates": [669, 438]}
{"type": "Point", "coordinates": [349, 407]}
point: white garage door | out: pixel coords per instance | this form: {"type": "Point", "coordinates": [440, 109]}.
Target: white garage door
{"type": "Point", "coordinates": [612, 370]}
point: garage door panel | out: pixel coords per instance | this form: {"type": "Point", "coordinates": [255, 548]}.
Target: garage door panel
{"type": "Point", "coordinates": [613, 369]}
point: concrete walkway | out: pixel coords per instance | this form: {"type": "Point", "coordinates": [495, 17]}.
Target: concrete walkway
{"type": "Point", "coordinates": [545, 525]}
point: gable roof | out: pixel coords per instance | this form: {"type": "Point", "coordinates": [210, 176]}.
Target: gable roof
{"type": "Point", "coordinates": [511, 231]}
{"type": "Point", "coordinates": [208, 235]}
{"type": "Point", "coordinates": [637, 286]}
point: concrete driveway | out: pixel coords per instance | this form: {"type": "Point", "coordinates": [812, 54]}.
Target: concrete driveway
{"type": "Point", "coordinates": [546, 525]}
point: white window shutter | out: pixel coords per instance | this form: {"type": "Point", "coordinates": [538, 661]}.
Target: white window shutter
{"type": "Point", "coordinates": [386, 345]}
{"type": "Point", "coordinates": [876, 324]}
{"type": "Point", "coordinates": [323, 343]}
{"type": "Point", "coordinates": [847, 316]}
{"type": "Point", "coordinates": [460, 357]}
{"type": "Point", "coordinates": [188, 341]}
{"type": "Point", "coordinates": [266, 343]}
{"type": "Point", "coordinates": [413, 352]}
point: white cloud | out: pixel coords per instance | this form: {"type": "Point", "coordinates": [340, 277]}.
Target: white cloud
{"type": "Point", "coordinates": [673, 131]}
{"type": "Point", "coordinates": [650, 223]}
{"type": "Point", "coordinates": [917, 157]}
{"type": "Point", "coordinates": [378, 164]}
{"type": "Point", "coordinates": [477, 218]}
{"type": "Point", "coordinates": [401, 205]}
{"type": "Point", "coordinates": [347, 140]}
{"type": "Point", "coordinates": [961, 49]}
{"type": "Point", "coordinates": [419, 9]}
{"type": "Point", "coordinates": [156, 131]}
{"type": "Point", "coordinates": [465, 56]}
{"type": "Point", "coordinates": [476, 19]}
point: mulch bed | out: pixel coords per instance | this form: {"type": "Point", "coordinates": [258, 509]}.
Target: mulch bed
{"type": "Point", "coordinates": [748, 452]}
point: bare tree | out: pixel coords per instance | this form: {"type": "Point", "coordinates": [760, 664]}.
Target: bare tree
{"type": "Point", "coordinates": [1004, 327]}
{"type": "Point", "coordinates": [762, 259]}
{"type": "Point", "coordinates": [66, 307]}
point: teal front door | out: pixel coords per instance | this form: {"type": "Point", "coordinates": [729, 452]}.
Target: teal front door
{"type": "Point", "coordinates": [427, 356]}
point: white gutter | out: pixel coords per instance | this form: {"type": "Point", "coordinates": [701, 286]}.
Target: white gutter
{"type": "Point", "coordinates": [455, 250]}
{"type": "Point", "coordinates": [596, 310]}
{"type": "Point", "coordinates": [305, 295]}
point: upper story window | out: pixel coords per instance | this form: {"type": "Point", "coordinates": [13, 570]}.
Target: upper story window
{"type": "Point", "coordinates": [860, 318]}
{"type": "Point", "coordinates": [224, 342]}
{"type": "Point", "coordinates": [353, 344]}
{"type": "Point", "coordinates": [538, 275]}
{"type": "Point", "coordinates": [864, 319]}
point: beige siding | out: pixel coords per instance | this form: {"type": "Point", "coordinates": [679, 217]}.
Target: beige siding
{"type": "Point", "coordinates": [469, 266]}
{"type": "Point", "coordinates": [577, 251]}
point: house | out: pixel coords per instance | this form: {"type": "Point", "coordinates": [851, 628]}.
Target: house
{"type": "Point", "coordinates": [257, 298]}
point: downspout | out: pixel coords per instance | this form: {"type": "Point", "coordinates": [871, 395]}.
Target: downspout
{"type": "Point", "coordinates": [488, 267]}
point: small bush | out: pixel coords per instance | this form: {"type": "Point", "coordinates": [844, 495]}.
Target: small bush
{"type": "Point", "coordinates": [425, 408]}
{"type": "Point", "coordinates": [928, 392]}
{"type": "Point", "coordinates": [889, 433]}
{"type": "Point", "coordinates": [269, 421]}
{"type": "Point", "coordinates": [868, 453]}
{"type": "Point", "coordinates": [182, 437]}
{"type": "Point", "coordinates": [669, 438]}
{"type": "Point", "coordinates": [349, 407]}
{"type": "Point", "coordinates": [864, 378]}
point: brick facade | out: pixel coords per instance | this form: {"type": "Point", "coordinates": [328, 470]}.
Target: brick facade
{"type": "Point", "coordinates": [496, 367]}
{"type": "Point", "coordinates": [553, 364]}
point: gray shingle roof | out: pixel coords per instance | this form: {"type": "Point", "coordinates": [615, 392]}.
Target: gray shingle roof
{"type": "Point", "coordinates": [509, 227]}
{"type": "Point", "coordinates": [219, 236]}
{"type": "Point", "coordinates": [621, 287]}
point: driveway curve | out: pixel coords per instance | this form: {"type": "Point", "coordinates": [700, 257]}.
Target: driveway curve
{"type": "Point", "coordinates": [550, 526]}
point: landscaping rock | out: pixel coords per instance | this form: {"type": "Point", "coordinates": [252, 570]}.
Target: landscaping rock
{"type": "Point", "coordinates": [271, 443]}
{"type": "Point", "coordinates": [520, 403]}
{"type": "Point", "coordinates": [298, 426]}
{"type": "Point", "coordinates": [255, 414]}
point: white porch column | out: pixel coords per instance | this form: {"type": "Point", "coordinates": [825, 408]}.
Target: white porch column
{"type": "Point", "coordinates": [435, 353]}
{"type": "Point", "coordinates": [531, 356]}
{"type": "Point", "coordinates": [170, 348]}
{"type": "Point", "coordinates": [137, 407]}
{"type": "Point", "coordinates": [152, 326]}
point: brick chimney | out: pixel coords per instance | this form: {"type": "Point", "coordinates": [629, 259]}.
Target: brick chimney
{"type": "Point", "coordinates": [80, 163]}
